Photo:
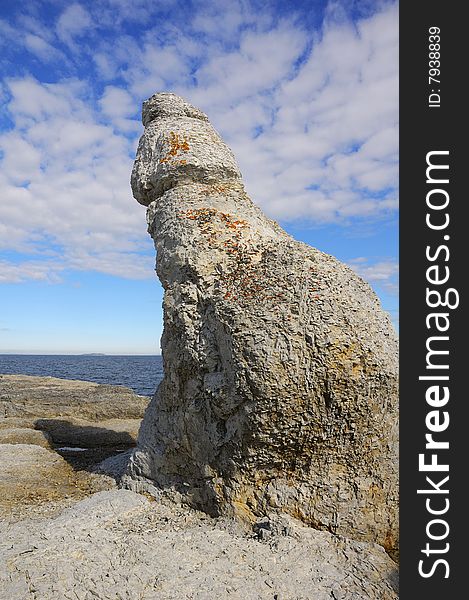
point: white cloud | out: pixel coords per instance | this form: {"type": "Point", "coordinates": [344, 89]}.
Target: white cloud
{"type": "Point", "coordinates": [7, 31]}
{"type": "Point", "coordinates": [332, 105]}
{"type": "Point", "coordinates": [262, 61]}
{"type": "Point", "coordinates": [311, 117]}
{"type": "Point", "coordinates": [315, 139]}
{"type": "Point", "coordinates": [383, 273]}
{"type": "Point", "coordinates": [42, 49]}
{"type": "Point", "coordinates": [129, 265]}
{"type": "Point", "coordinates": [40, 270]}
{"type": "Point", "coordinates": [65, 184]}
{"type": "Point", "coordinates": [154, 67]}
{"type": "Point", "coordinates": [117, 102]}
{"type": "Point", "coordinates": [21, 159]}
{"type": "Point", "coordinates": [137, 11]}
{"type": "Point", "coordinates": [32, 100]}
{"type": "Point", "coordinates": [224, 19]}
{"type": "Point", "coordinates": [73, 22]}
{"type": "Point", "coordinates": [105, 65]}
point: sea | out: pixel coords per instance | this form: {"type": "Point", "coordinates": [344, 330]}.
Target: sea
{"type": "Point", "coordinates": [142, 374]}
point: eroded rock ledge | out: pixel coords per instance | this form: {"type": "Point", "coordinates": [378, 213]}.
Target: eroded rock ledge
{"type": "Point", "coordinates": [44, 410]}
{"type": "Point", "coordinates": [280, 386]}
{"type": "Point", "coordinates": [52, 433]}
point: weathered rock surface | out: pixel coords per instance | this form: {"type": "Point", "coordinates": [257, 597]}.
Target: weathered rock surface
{"type": "Point", "coordinates": [32, 478]}
{"type": "Point", "coordinates": [29, 397]}
{"type": "Point", "coordinates": [22, 435]}
{"type": "Point", "coordinates": [55, 412]}
{"type": "Point", "coordinates": [280, 386]}
{"type": "Point", "coordinates": [117, 544]}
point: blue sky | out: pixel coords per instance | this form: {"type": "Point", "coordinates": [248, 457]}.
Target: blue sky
{"type": "Point", "coordinates": [305, 93]}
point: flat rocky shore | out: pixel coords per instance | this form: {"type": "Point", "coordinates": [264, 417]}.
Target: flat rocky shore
{"type": "Point", "coordinates": [52, 432]}
{"type": "Point", "coordinates": [68, 532]}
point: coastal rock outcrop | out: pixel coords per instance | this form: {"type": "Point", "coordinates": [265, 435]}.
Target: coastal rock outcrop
{"type": "Point", "coordinates": [63, 412]}
{"type": "Point", "coordinates": [280, 367]}
{"type": "Point", "coordinates": [28, 397]}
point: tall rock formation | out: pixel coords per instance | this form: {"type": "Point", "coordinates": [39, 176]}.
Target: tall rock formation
{"type": "Point", "coordinates": [280, 385]}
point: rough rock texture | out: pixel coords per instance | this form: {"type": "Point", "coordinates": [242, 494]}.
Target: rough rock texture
{"type": "Point", "coordinates": [280, 386]}
{"type": "Point", "coordinates": [117, 544]}
{"type": "Point", "coordinates": [29, 397]}
{"type": "Point", "coordinates": [68, 414]}
{"type": "Point", "coordinates": [22, 435]}
{"type": "Point", "coordinates": [32, 477]}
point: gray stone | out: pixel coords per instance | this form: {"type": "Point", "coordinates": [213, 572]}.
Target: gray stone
{"type": "Point", "coordinates": [16, 422]}
{"type": "Point", "coordinates": [117, 544]}
{"type": "Point", "coordinates": [22, 435]}
{"type": "Point", "coordinates": [86, 423]}
{"type": "Point", "coordinates": [25, 397]}
{"type": "Point", "coordinates": [115, 466]}
{"type": "Point", "coordinates": [66, 414]}
{"type": "Point", "coordinates": [32, 477]}
{"type": "Point", "coordinates": [280, 385]}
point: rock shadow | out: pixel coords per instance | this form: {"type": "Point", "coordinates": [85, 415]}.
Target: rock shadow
{"type": "Point", "coordinates": [84, 446]}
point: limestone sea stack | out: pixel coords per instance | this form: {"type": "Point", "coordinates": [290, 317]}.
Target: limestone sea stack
{"type": "Point", "coordinates": [280, 367]}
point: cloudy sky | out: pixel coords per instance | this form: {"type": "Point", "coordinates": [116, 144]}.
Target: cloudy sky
{"type": "Point", "coordinates": [304, 92]}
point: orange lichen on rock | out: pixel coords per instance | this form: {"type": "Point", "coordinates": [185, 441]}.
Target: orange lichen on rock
{"type": "Point", "coordinates": [177, 144]}
{"type": "Point", "coordinates": [214, 188]}
{"type": "Point", "coordinates": [233, 223]}
{"type": "Point", "coordinates": [205, 215]}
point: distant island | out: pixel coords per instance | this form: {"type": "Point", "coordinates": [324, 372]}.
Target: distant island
{"type": "Point", "coordinates": [93, 354]}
